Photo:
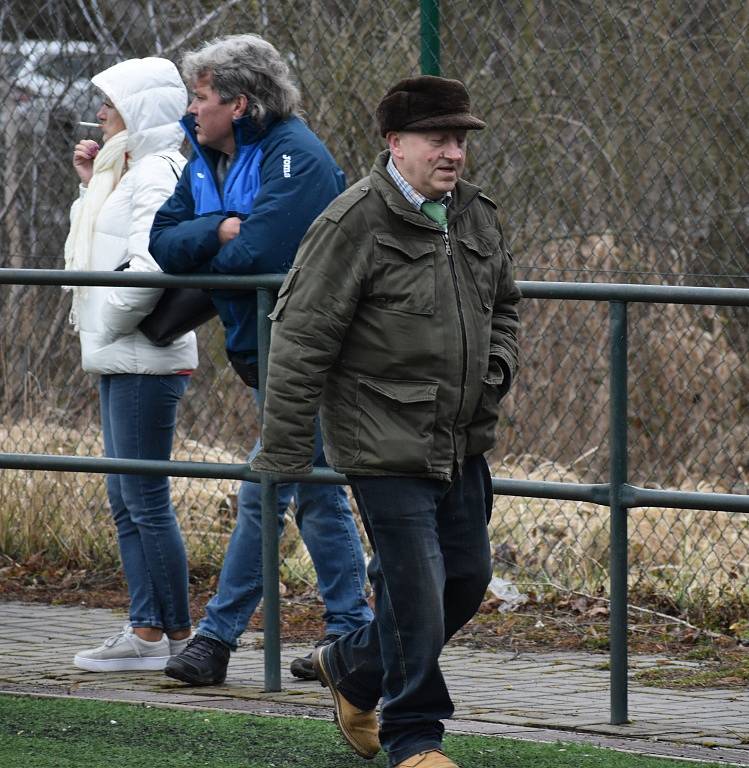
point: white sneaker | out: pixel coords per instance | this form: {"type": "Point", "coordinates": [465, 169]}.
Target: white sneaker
{"type": "Point", "coordinates": [125, 652]}
{"type": "Point", "coordinates": [177, 646]}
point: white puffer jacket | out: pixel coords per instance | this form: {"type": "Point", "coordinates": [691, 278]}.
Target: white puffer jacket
{"type": "Point", "coordinates": [151, 98]}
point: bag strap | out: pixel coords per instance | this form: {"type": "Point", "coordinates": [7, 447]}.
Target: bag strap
{"type": "Point", "coordinates": [126, 264]}
{"type": "Point", "coordinates": [172, 165]}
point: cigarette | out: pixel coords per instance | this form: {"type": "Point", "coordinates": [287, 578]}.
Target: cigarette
{"type": "Point", "coordinates": [90, 125]}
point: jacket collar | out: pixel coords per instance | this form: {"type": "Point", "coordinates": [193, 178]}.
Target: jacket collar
{"type": "Point", "coordinates": [462, 196]}
{"type": "Point", "coordinates": [246, 132]}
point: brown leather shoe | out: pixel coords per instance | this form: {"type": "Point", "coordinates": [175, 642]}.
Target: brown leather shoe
{"type": "Point", "coordinates": [358, 727]}
{"type": "Point", "coordinates": [434, 758]}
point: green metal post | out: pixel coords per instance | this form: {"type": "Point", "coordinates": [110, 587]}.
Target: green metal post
{"type": "Point", "coordinates": [269, 501]}
{"type": "Point", "coordinates": [271, 598]}
{"type": "Point", "coordinates": [618, 512]}
{"type": "Point", "coordinates": [430, 37]}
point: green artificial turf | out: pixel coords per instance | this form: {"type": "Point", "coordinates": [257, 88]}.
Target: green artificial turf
{"type": "Point", "coordinates": [62, 733]}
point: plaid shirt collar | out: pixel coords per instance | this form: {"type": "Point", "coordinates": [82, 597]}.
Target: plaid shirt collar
{"type": "Point", "coordinates": [413, 197]}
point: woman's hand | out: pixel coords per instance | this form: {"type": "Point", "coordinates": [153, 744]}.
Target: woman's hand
{"type": "Point", "coordinates": [83, 159]}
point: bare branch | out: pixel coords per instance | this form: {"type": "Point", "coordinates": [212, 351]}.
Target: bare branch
{"type": "Point", "coordinates": [199, 25]}
{"type": "Point", "coordinates": [97, 22]}
{"type": "Point", "coordinates": [650, 612]}
{"type": "Point", "coordinates": [589, 133]}
{"type": "Point", "coordinates": [155, 26]}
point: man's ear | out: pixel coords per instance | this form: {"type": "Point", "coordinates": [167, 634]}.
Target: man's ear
{"type": "Point", "coordinates": [239, 109]}
{"type": "Point", "coordinates": [393, 139]}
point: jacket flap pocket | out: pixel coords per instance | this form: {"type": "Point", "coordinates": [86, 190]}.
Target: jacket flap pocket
{"type": "Point", "coordinates": [283, 294]}
{"type": "Point", "coordinates": [402, 391]}
{"type": "Point", "coordinates": [483, 242]}
{"type": "Point", "coordinates": [410, 247]}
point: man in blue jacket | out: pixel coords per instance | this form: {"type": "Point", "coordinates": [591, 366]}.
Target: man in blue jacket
{"type": "Point", "coordinates": [257, 179]}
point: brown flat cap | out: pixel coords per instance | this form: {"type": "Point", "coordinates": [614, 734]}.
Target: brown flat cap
{"type": "Point", "coordinates": [426, 103]}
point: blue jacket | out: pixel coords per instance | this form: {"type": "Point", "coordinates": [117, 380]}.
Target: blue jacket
{"type": "Point", "coordinates": [280, 180]}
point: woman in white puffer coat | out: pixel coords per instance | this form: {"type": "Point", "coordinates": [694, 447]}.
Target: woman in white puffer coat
{"type": "Point", "coordinates": [123, 184]}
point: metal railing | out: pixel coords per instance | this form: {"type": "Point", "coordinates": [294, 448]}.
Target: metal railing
{"type": "Point", "coordinates": [617, 494]}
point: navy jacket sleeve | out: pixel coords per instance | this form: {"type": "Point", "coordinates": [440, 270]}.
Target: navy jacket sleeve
{"type": "Point", "coordinates": [296, 185]}
{"type": "Point", "coordinates": [179, 241]}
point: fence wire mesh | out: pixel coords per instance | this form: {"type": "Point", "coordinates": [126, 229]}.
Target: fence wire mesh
{"type": "Point", "coordinates": [617, 149]}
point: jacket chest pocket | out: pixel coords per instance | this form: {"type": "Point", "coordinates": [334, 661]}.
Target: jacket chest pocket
{"type": "Point", "coordinates": [480, 251]}
{"type": "Point", "coordinates": [402, 277]}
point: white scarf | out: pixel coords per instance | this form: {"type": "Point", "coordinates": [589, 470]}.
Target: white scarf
{"type": "Point", "coordinates": [108, 166]}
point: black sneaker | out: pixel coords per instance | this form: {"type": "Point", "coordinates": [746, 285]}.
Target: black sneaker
{"type": "Point", "coordinates": [203, 662]}
{"type": "Point", "coordinates": [302, 668]}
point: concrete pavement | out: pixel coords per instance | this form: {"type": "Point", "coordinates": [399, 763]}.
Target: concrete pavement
{"type": "Point", "coordinates": [555, 696]}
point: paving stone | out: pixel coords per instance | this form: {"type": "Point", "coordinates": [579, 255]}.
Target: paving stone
{"type": "Point", "coordinates": [546, 696]}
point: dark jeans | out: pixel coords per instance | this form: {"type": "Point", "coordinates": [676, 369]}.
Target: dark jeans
{"type": "Point", "coordinates": [430, 570]}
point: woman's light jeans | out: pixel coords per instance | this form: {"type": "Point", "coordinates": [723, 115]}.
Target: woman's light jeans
{"type": "Point", "coordinates": [139, 412]}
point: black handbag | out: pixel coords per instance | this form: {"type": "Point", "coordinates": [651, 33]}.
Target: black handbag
{"type": "Point", "coordinates": [178, 311]}
{"type": "Point", "coordinates": [248, 372]}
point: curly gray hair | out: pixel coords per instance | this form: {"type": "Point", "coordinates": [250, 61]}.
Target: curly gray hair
{"type": "Point", "coordinates": [249, 65]}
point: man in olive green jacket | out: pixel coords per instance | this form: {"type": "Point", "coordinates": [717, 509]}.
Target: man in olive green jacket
{"type": "Point", "coordinates": [398, 320]}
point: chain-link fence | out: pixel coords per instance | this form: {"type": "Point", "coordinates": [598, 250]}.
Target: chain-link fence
{"type": "Point", "coordinates": [617, 150]}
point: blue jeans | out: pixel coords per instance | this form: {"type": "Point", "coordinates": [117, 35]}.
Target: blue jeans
{"type": "Point", "coordinates": [138, 416]}
{"type": "Point", "coordinates": [326, 523]}
{"type": "Point", "coordinates": [430, 571]}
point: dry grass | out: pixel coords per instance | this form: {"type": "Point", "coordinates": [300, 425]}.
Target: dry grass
{"type": "Point", "coordinates": [66, 515]}
{"type": "Point", "coordinates": [688, 380]}
{"type": "Point", "coordinates": [679, 556]}
{"type": "Point", "coordinates": [684, 556]}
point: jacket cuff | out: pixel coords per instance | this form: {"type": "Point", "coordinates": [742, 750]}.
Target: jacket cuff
{"type": "Point", "coordinates": [507, 373]}
{"type": "Point", "coordinates": [281, 463]}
